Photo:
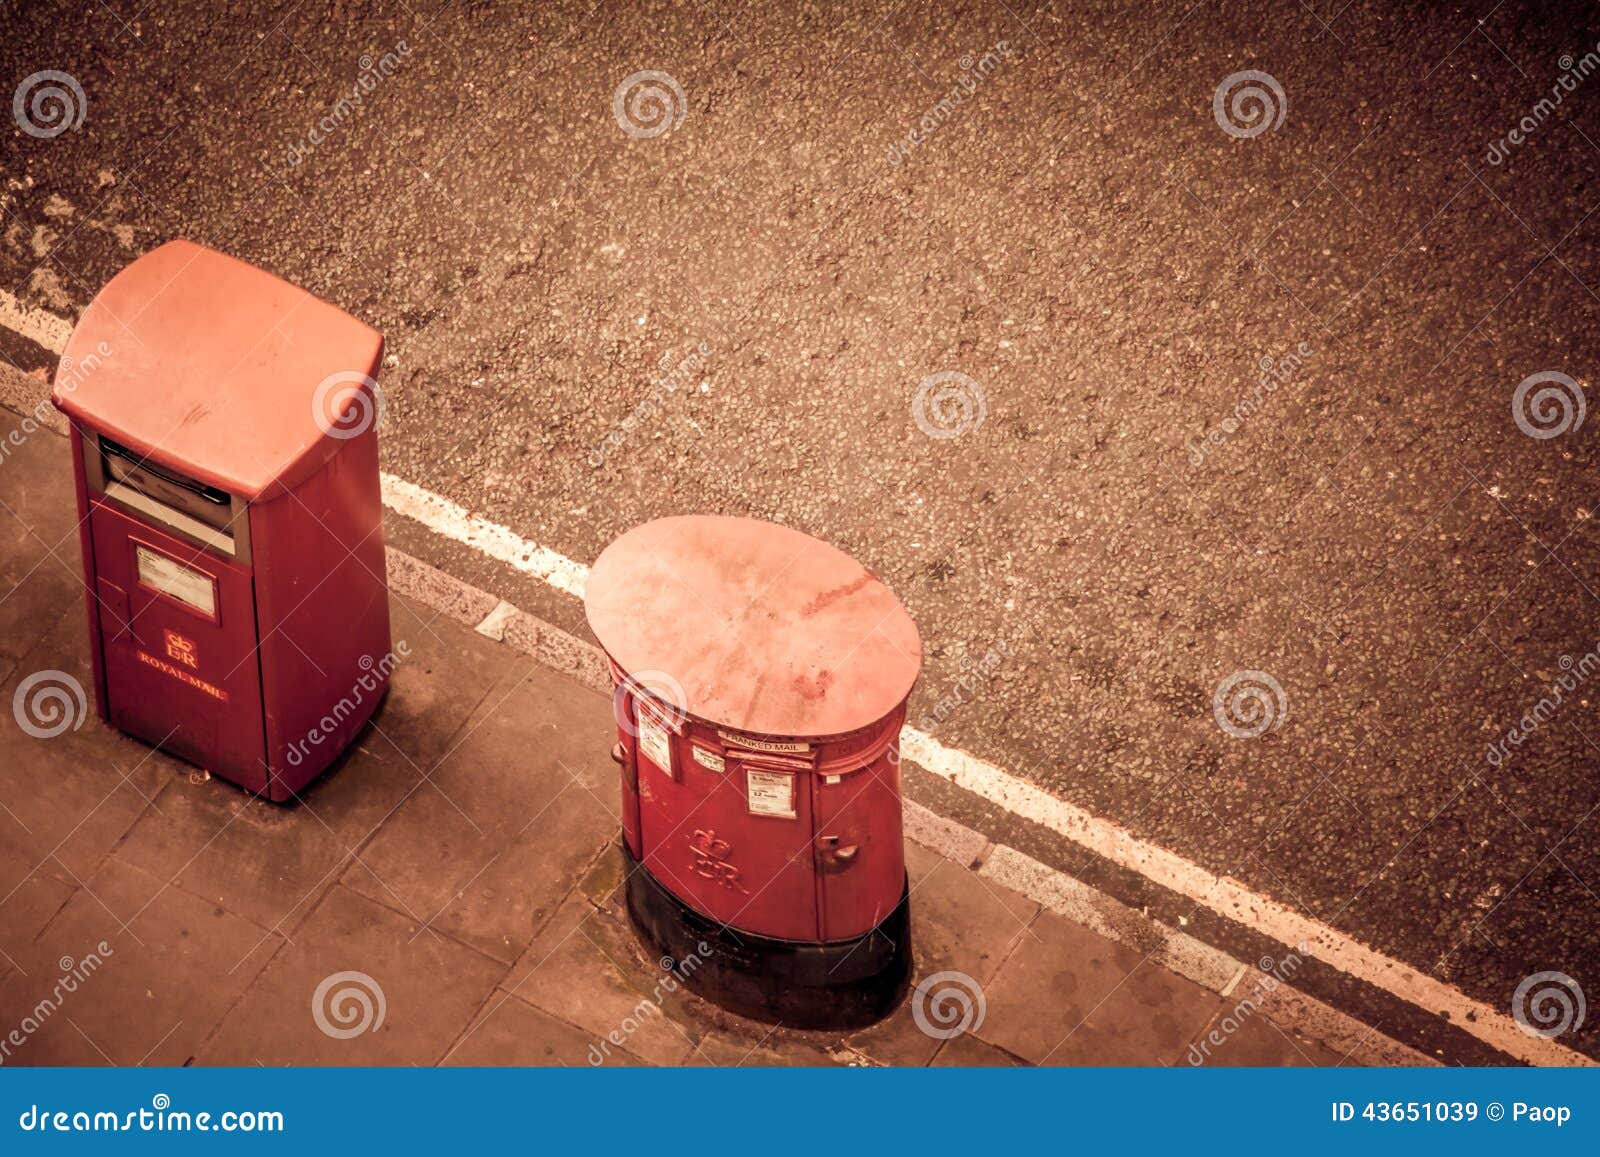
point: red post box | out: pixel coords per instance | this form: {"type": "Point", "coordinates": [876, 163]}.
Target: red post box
{"type": "Point", "coordinates": [761, 679]}
{"type": "Point", "coordinates": [225, 443]}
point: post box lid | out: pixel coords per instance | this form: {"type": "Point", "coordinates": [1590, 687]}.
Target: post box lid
{"type": "Point", "coordinates": [217, 369]}
{"type": "Point", "coordinates": [766, 629]}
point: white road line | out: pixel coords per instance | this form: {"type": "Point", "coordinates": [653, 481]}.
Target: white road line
{"type": "Point", "coordinates": [445, 518]}
{"type": "Point", "coordinates": [1233, 900]}
{"type": "Point", "coordinates": [1224, 896]}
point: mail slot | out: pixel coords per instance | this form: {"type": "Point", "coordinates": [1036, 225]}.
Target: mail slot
{"type": "Point", "coordinates": [761, 680]}
{"type": "Point", "coordinates": [224, 436]}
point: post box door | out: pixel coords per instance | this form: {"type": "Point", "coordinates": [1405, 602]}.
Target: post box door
{"type": "Point", "coordinates": [747, 869]}
{"type": "Point", "coordinates": [859, 851]}
{"type": "Point", "coordinates": [178, 635]}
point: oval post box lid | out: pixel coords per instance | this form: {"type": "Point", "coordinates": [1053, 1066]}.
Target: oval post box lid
{"type": "Point", "coordinates": [219, 370]}
{"type": "Point", "coordinates": [766, 629]}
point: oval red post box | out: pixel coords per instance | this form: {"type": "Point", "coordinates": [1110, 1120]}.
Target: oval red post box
{"type": "Point", "coordinates": [225, 442]}
{"type": "Point", "coordinates": [761, 679]}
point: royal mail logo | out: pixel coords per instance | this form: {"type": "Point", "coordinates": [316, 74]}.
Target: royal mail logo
{"type": "Point", "coordinates": [181, 649]}
{"type": "Point", "coordinates": [709, 858]}
{"type": "Point", "coordinates": [182, 676]}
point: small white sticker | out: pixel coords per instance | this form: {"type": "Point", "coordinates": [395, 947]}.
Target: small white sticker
{"type": "Point", "coordinates": [655, 742]}
{"type": "Point", "coordinates": [770, 793]}
{"type": "Point", "coordinates": [707, 758]}
{"type": "Point", "coordinates": [193, 587]}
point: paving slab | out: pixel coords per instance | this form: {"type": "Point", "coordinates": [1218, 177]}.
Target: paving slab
{"type": "Point", "coordinates": [40, 575]}
{"type": "Point", "coordinates": [510, 819]}
{"type": "Point", "coordinates": [1232, 1039]}
{"type": "Point", "coordinates": [146, 972]}
{"type": "Point", "coordinates": [67, 798]}
{"type": "Point", "coordinates": [585, 968]}
{"type": "Point", "coordinates": [754, 1045]}
{"type": "Point", "coordinates": [1286, 1015]}
{"type": "Point", "coordinates": [319, 1002]}
{"type": "Point", "coordinates": [967, 1051]}
{"type": "Point", "coordinates": [1069, 997]}
{"type": "Point", "coordinates": [960, 924]}
{"type": "Point", "coordinates": [511, 1031]}
{"type": "Point", "coordinates": [28, 900]}
{"type": "Point", "coordinates": [272, 861]}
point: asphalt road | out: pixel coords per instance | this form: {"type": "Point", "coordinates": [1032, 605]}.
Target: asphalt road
{"type": "Point", "coordinates": [765, 285]}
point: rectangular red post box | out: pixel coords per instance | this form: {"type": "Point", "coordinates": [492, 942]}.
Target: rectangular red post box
{"type": "Point", "coordinates": [224, 435]}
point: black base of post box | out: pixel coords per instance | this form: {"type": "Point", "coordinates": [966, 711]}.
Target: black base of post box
{"type": "Point", "coordinates": [839, 984]}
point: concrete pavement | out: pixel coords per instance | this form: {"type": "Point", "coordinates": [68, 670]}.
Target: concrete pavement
{"type": "Point", "coordinates": [448, 894]}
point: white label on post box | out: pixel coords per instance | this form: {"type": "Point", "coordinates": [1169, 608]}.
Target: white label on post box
{"type": "Point", "coordinates": [770, 793]}
{"type": "Point", "coordinates": [173, 578]}
{"type": "Point", "coordinates": [707, 758]}
{"type": "Point", "coordinates": [654, 742]}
